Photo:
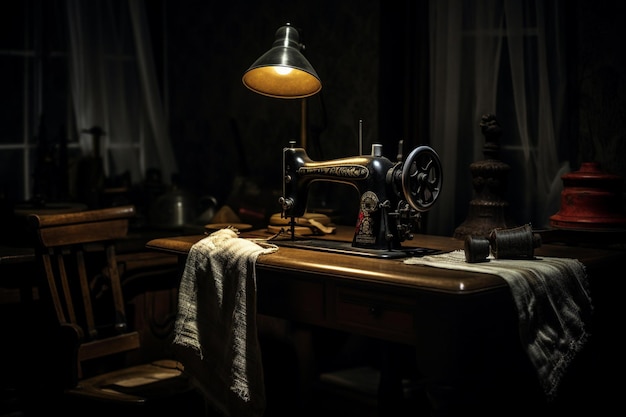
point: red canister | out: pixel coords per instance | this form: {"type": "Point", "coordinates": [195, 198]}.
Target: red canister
{"type": "Point", "coordinates": [590, 199]}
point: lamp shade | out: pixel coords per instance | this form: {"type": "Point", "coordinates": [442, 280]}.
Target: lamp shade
{"type": "Point", "coordinates": [283, 72]}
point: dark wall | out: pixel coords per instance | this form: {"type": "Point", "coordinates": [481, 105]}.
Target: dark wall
{"type": "Point", "coordinates": [599, 91]}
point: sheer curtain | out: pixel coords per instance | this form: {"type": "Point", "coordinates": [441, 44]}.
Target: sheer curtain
{"type": "Point", "coordinates": [114, 86]}
{"type": "Point", "coordinates": [503, 57]}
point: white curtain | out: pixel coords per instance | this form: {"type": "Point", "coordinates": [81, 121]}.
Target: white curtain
{"type": "Point", "coordinates": [503, 57]}
{"type": "Point", "coordinates": [114, 86]}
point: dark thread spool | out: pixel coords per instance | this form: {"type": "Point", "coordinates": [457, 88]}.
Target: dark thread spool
{"type": "Point", "coordinates": [476, 249]}
{"type": "Point", "coordinates": [515, 243]}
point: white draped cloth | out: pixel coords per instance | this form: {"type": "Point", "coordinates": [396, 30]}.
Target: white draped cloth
{"type": "Point", "coordinates": [216, 328]}
{"type": "Point", "coordinates": [553, 304]}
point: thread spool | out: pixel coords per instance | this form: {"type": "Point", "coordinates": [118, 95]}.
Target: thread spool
{"type": "Point", "coordinates": [515, 243]}
{"type": "Point", "coordinates": [476, 249]}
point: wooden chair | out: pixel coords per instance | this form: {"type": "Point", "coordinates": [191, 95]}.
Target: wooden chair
{"type": "Point", "coordinates": [93, 339]}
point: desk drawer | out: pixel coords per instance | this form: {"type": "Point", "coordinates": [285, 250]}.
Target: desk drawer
{"type": "Point", "coordinates": [376, 314]}
{"type": "Point", "coordinates": [293, 298]}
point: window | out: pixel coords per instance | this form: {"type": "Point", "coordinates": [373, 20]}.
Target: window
{"type": "Point", "coordinates": [108, 80]}
{"type": "Point", "coordinates": [35, 107]}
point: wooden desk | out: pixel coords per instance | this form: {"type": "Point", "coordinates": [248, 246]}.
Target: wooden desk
{"type": "Point", "coordinates": [463, 325]}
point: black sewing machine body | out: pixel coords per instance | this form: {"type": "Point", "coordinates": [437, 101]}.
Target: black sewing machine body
{"type": "Point", "coordinates": [392, 194]}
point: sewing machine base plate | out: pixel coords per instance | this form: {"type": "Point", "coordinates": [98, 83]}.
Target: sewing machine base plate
{"type": "Point", "coordinates": [346, 248]}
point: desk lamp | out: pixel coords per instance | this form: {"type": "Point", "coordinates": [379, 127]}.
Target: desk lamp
{"type": "Point", "coordinates": [284, 72]}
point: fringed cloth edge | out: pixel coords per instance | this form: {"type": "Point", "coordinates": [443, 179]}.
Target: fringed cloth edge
{"type": "Point", "coordinates": [553, 303]}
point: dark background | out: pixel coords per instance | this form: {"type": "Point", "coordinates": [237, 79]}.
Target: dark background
{"type": "Point", "coordinates": [372, 58]}
{"type": "Point", "coordinates": [361, 51]}
{"type": "Point", "coordinates": [221, 130]}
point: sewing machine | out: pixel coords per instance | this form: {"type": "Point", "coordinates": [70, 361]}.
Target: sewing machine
{"type": "Point", "coordinates": [393, 195]}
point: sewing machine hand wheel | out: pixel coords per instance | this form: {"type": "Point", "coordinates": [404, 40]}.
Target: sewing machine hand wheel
{"type": "Point", "coordinates": [422, 178]}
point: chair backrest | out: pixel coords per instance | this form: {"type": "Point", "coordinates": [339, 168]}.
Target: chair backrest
{"type": "Point", "coordinates": [77, 254]}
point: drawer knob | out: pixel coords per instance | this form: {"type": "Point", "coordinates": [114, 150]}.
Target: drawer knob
{"type": "Point", "coordinates": [375, 311]}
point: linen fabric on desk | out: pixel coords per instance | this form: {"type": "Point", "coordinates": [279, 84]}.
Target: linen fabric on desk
{"type": "Point", "coordinates": [553, 304]}
{"type": "Point", "coordinates": [215, 330]}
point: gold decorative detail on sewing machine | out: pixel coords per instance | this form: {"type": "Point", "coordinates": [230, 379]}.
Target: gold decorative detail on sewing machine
{"type": "Point", "coordinates": [393, 195]}
{"type": "Point", "coordinates": [348, 172]}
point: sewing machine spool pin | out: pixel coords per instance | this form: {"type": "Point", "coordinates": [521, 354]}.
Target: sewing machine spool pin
{"type": "Point", "coordinates": [392, 194]}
